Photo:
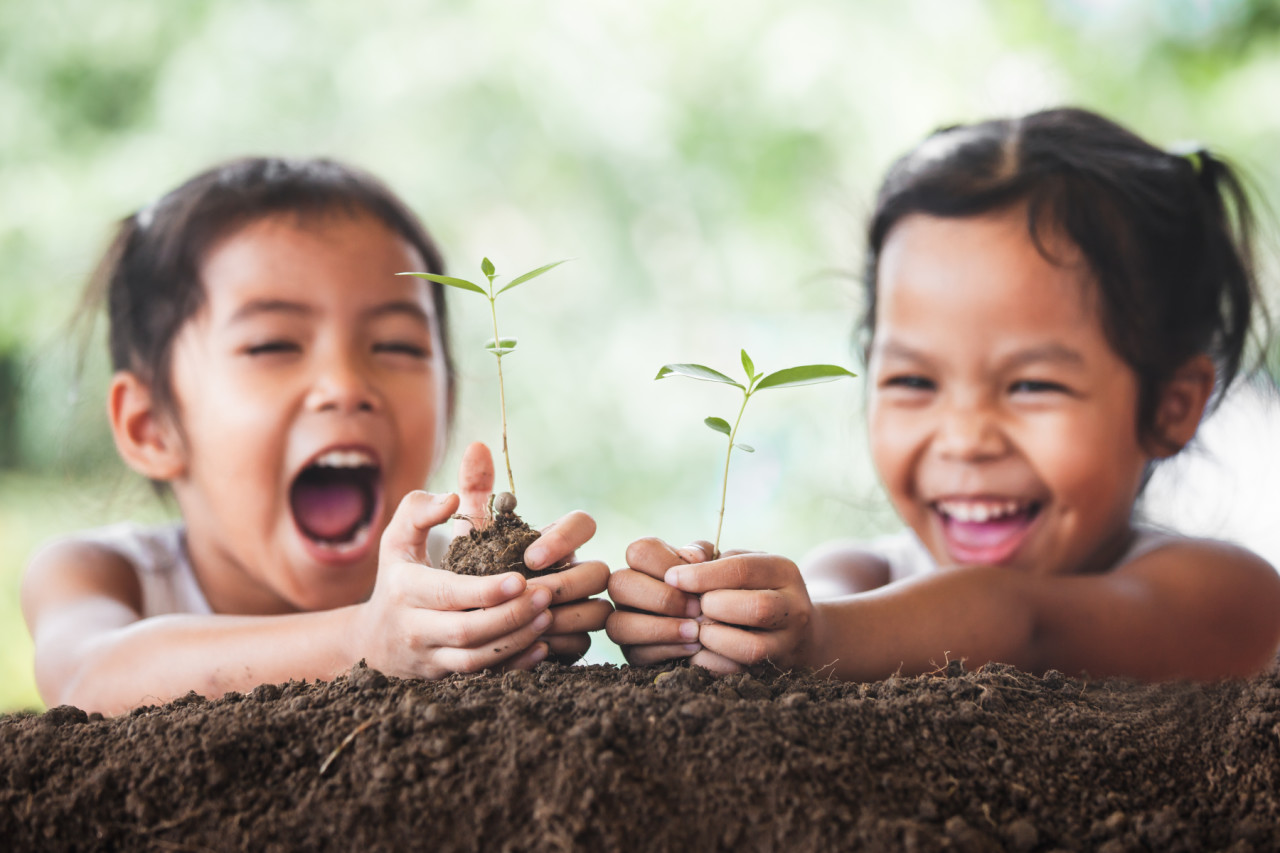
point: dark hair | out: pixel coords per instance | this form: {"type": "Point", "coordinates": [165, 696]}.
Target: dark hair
{"type": "Point", "coordinates": [149, 277]}
{"type": "Point", "coordinates": [1167, 237]}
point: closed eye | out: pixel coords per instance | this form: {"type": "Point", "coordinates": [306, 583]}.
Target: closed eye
{"type": "Point", "coordinates": [402, 348]}
{"type": "Point", "coordinates": [273, 347]}
{"type": "Point", "coordinates": [909, 382]}
{"type": "Point", "coordinates": [1037, 386]}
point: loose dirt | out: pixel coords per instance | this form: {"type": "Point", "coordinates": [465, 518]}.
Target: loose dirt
{"type": "Point", "coordinates": [498, 547]}
{"type": "Point", "coordinates": [667, 758]}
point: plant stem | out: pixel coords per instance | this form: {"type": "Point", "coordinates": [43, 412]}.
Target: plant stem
{"type": "Point", "coordinates": [724, 487]}
{"type": "Point", "coordinates": [502, 394]}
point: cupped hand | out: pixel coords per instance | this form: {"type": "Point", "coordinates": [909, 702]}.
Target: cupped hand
{"type": "Point", "coordinates": [655, 621]}
{"type": "Point", "coordinates": [755, 608]}
{"type": "Point", "coordinates": [425, 622]}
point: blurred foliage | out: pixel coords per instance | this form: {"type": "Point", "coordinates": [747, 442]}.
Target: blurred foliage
{"type": "Point", "coordinates": [708, 165]}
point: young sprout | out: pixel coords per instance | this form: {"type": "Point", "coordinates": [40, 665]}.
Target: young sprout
{"type": "Point", "coordinates": [808, 374]}
{"type": "Point", "coordinates": [498, 345]}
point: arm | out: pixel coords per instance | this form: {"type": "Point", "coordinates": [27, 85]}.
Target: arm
{"type": "Point", "coordinates": [843, 568]}
{"type": "Point", "coordinates": [93, 649]}
{"type": "Point", "coordinates": [1198, 609]}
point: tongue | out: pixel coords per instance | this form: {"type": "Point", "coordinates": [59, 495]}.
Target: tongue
{"type": "Point", "coordinates": [329, 510]}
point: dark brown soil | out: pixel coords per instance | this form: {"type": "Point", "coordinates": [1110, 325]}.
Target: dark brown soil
{"type": "Point", "coordinates": [498, 547]}
{"type": "Point", "coordinates": [598, 758]}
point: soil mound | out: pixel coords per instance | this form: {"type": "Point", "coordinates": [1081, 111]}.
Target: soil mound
{"type": "Point", "coordinates": [498, 547]}
{"type": "Point", "coordinates": [667, 758]}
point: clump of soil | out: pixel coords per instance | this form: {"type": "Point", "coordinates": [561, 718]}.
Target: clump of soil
{"type": "Point", "coordinates": [665, 758]}
{"type": "Point", "coordinates": [496, 548]}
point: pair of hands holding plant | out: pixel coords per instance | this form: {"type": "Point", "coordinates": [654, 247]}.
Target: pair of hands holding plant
{"type": "Point", "coordinates": [740, 609]}
{"type": "Point", "coordinates": [427, 622]}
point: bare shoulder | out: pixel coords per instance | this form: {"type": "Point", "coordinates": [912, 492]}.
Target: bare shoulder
{"type": "Point", "coordinates": [71, 571]}
{"type": "Point", "coordinates": [843, 567]}
{"type": "Point", "coordinates": [1213, 561]}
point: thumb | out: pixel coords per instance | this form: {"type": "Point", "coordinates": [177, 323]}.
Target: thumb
{"type": "Point", "coordinates": [406, 535]}
{"type": "Point", "coordinates": [475, 485]}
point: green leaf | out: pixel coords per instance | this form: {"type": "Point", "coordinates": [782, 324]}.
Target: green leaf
{"type": "Point", "coordinates": [486, 267]}
{"type": "Point", "coordinates": [745, 447]}
{"type": "Point", "coordinates": [503, 347]}
{"type": "Point", "coordinates": [748, 366]}
{"type": "Point", "coordinates": [531, 274]}
{"type": "Point", "coordinates": [696, 371]}
{"type": "Point", "coordinates": [449, 280]}
{"type": "Point", "coordinates": [718, 424]}
{"type": "Point", "coordinates": [808, 374]}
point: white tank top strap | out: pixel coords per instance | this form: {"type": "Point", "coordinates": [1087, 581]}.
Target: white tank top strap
{"type": "Point", "coordinates": [159, 557]}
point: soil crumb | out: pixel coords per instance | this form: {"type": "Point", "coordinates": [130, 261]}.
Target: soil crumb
{"type": "Point", "coordinates": [662, 758]}
{"type": "Point", "coordinates": [498, 548]}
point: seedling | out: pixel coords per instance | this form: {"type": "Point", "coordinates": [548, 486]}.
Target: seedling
{"type": "Point", "coordinates": [498, 345]}
{"type": "Point", "coordinates": [808, 374]}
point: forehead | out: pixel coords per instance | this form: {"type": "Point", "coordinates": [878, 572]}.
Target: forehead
{"type": "Point", "coordinates": [981, 275]}
{"type": "Point", "coordinates": [333, 257]}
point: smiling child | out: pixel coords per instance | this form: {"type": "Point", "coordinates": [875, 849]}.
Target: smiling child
{"type": "Point", "coordinates": [293, 392]}
{"type": "Point", "coordinates": [1053, 303]}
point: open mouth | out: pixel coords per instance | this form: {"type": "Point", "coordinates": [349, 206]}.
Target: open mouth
{"type": "Point", "coordinates": [335, 498]}
{"type": "Point", "coordinates": [984, 531]}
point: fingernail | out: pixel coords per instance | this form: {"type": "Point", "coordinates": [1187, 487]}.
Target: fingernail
{"type": "Point", "coordinates": [543, 620]}
{"type": "Point", "coordinates": [535, 559]}
{"type": "Point", "coordinates": [441, 500]}
{"type": "Point", "coordinates": [539, 652]}
{"type": "Point", "coordinates": [541, 597]}
{"type": "Point", "coordinates": [693, 609]}
{"type": "Point", "coordinates": [692, 647]}
{"type": "Point", "coordinates": [689, 630]}
{"type": "Point", "coordinates": [672, 576]}
{"type": "Point", "coordinates": [690, 553]}
{"type": "Point", "coordinates": [512, 585]}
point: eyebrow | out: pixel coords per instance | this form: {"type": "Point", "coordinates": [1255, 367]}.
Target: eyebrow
{"type": "Point", "coordinates": [1052, 353]}
{"type": "Point", "coordinates": [256, 307]}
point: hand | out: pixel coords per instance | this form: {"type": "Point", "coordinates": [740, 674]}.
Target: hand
{"type": "Point", "coordinates": [426, 623]}
{"type": "Point", "coordinates": [574, 614]}
{"type": "Point", "coordinates": [755, 607]}
{"type": "Point", "coordinates": [655, 621]}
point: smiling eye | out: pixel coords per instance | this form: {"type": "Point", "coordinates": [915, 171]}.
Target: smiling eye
{"type": "Point", "coordinates": [402, 348]}
{"type": "Point", "coordinates": [1036, 386]}
{"type": "Point", "coordinates": [273, 347]}
{"type": "Point", "coordinates": [909, 382]}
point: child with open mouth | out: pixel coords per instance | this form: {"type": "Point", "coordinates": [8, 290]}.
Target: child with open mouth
{"type": "Point", "coordinates": [293, 393]}
{"type": "Point", "coordinates": [1051, 305]}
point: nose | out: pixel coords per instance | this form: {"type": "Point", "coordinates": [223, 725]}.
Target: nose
{"type": "Point", "coordinates": [970, 432]}
{"type": "Point", "coordinates": [341, 384]}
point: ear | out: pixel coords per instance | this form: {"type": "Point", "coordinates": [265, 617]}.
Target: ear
{"type": "Point", "coordinates": [1182, 403]}
{"type": "Point", "coordinates": [146, 439]}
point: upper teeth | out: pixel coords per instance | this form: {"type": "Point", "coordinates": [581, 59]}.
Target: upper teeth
{"type": "Point", "coordinates": [345, 459]}
{"type": "Point", "coordinates": [979, 511]}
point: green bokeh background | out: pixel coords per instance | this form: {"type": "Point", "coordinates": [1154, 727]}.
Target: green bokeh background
{"type": "Point", "coordinates": [708, 165]}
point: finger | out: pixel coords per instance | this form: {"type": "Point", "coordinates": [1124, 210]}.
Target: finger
{"type": "Point", "coordinates": [405, 538]}
{"type": "Point", "coordinates": [438, 590]}
{"type": "Point", "coordinates": [696, 552]}
{"type": "Point", "coordinates": [569, 648]}
{"type": "Point", "coordinates": [652, 556]}
{"type": "Point", "coordinates": [744, 571]}
{"type": "Point", "coordinates": [475, 485]}
{"type": "Point", "coordinates": [528, 658]}
{"type": "Point", "coordinates": [716, 663]}
{"type": "Point", "coordinates": [492, 646]}
{"type": "Point", "coordinates": [468, 629]}
{"type": "Point", "coordinates": [580, 617]}
{"type": "Point", "coordinates": [740, 645]}
{"type": "Point", "coordinates": [645, 655]}
{"type": "Point", "coordinates": [642, 629]}
{"type": "Point", "coordinates": [756, 608]}
{"type": "Point", "coordinates": [559, 540]}
{"type": "Point", "coordinates": [629, 588]}
{"type": "Point", "coordinates": [576, 582]}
